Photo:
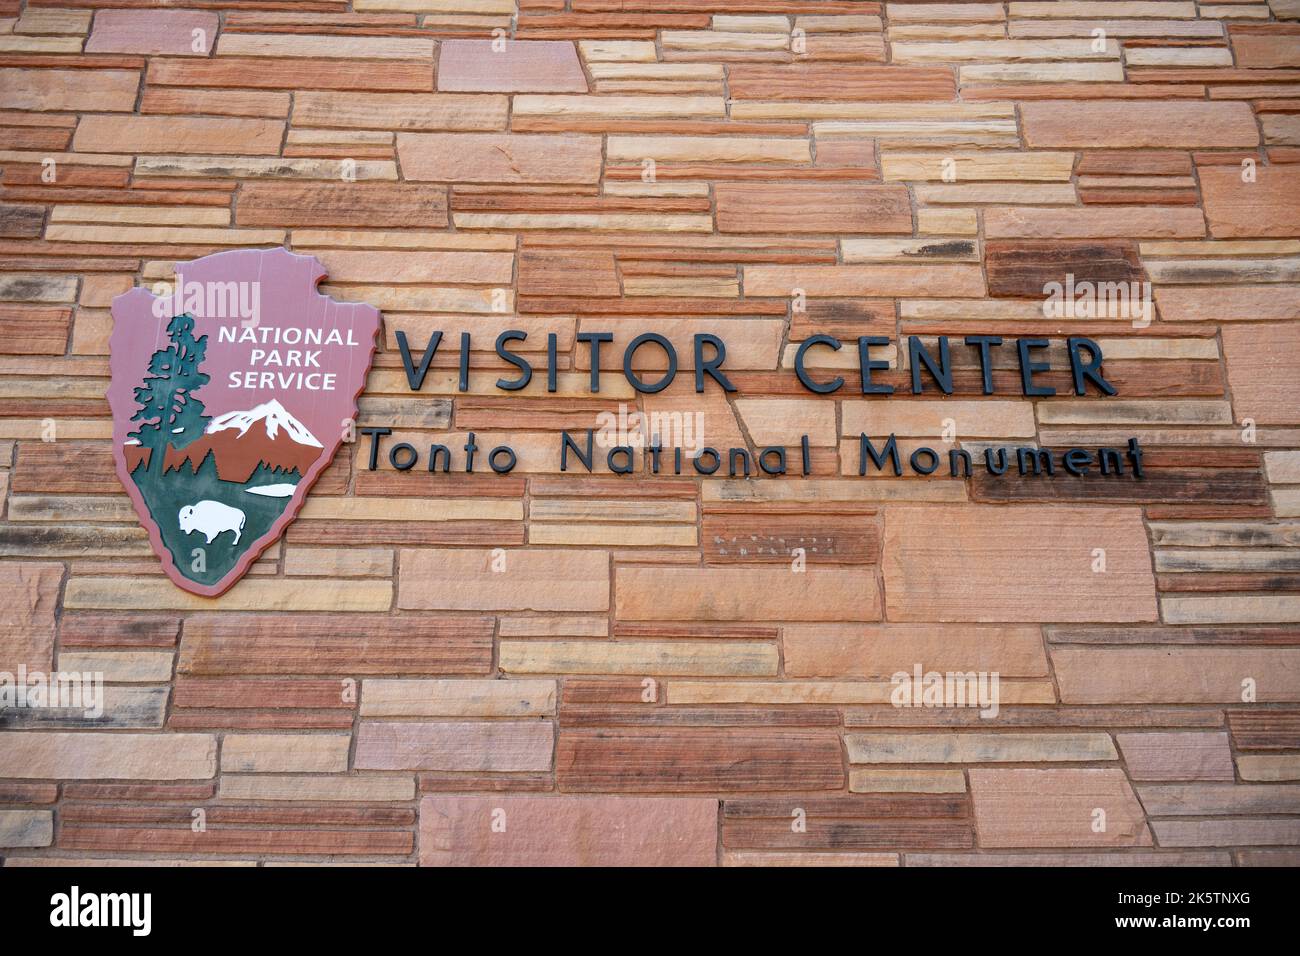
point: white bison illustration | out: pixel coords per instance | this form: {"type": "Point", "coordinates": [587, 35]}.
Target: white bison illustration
{"type": "Point", "coordinates": [211, 518]}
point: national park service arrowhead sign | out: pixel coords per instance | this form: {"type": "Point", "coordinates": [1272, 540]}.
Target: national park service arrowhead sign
{"type": "Point", "coordinates": [230, 395]}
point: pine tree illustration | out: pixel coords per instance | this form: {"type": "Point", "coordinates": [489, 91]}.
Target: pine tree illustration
{"type": "Point", "coordinates": [168, 409]}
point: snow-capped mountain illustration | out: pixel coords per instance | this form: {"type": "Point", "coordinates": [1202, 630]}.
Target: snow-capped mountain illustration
{"type": "Point", "coordinates": [242, 441]}
{"type": "Point", "coordinates": [273, 417]}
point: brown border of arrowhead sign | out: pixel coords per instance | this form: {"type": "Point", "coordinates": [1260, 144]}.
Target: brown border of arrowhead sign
{"type": "Point", "coordinates": [230, 393]}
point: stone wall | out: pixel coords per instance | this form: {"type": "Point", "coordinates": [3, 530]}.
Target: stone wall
{"type": "Point", "coordinates": [557, 667]}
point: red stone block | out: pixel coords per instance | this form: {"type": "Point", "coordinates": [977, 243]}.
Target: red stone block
{"type": "Point", "coordinates": [568, 831]}
{"type": "Point", "coordinates": [515, 66]}
{"type": "Point", "coordinates": [169, 32]}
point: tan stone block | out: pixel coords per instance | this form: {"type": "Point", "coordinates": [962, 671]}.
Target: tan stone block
{"type": "Point", "coordinates": [1267, 206]}
{"type": "Point", "coordinates": [128, 594]}
{"type": "Point", "coordinates": [929, 418]}
{"type": "Point", "coordinates": [746, 594]}
{"type": "Point", "coordinates": [855, 692]}
{"type": "Point", "coordinates": [668, 658]}
{"type": "Point", "coordinates": [1283, 467]}
{"type": "Point", "coordinates": [1056, 808]}
{"type": "Point", "coordinates": [716, 41]}
{"type": "Point", "coordinates": [784, 421]}
{"type": "Point", "coordinates": [587, 534]}
{"type": "Point", "coordinates": [481, 7]}
{"type": "Point", "coordinates": [483, 746]}
{"type": "Point", "coordinates": [1269, 767]}
{"type": "Point", "coordinates": [1286, 502]}
{"type": "Point", "coordinates": [937, 222]}
{"type": "Point", "coordinates": [779, 858]}
{"type": "Point", "coordinates": [867, 115]}
{"type": "Point", "coordinates": [1011, 165]}
{"type": "Point", "coordinates": [1178, 56]}
{"type": "Point", "coordinates": [610, 510]}
{"type": "Point", "coordinates": [339, 562]}
{"type": "Point", "coordinates": [862, 780]}
{"type": "Point", "coordinates": [285, 753]}
{"type": "Point", "coordinates": [1106, 675]}
{"type": "Point", "coordinates": [342, 47]}
{"type": "Point", "coordinates": [479, 268]}
{"type": "Point", "coordinates": [415, 509]}
{"type": "Point", "coordinates": [1016, 563]}
{"type": "Point", "coordinates": [1259, 51]}
{"type": "Point", "coordinates": [887, 280]}
{"type": "Point", "coordinates": [1212, 799]}
{"type": "Point", "coordinates": [930, 249]}
{"type": "Point", "coordinates": [26, 828]}
{"type": "Point", "coordinates": [1146, 124]}
{"type": "Point", "coordinates": [97, 90]}
{"type": "Point", "coordinates": [881, 650]}
{"type": "Point", "coordinates": [616, 51]}
{"type": "Point", "coordinates": [164, 235]}
{"type": "Point", "coordinates": [1177, 756]}
{"type": "Point", "coordinates": [945, 12]}
{"type": "Point", "coordinates": [812, 207]}
{"type": "Point", "coordinates": [1231, 609]}
{"type": "Point", "coordinates": [532, 580]}
{"type": "Point", "coordinates": [620, 107]}
{"type": "Point", "coordinates": [707, 149]}
{"type": "Point", "coordinates": [141, 215]}
{"type": "Point", "coordinates": [99, 291]}
{"type": "Point", "coordinates": [499, 157]}
{"type": "Point", "coordinates": [1128, 858]}
{"type": "Point", "coordinates": [88, 755]}
{"type": "Point", "coordinates": [424, 298]}
{"type": "Point", "coordinates": [1009, 50]}
{"type": "Point", "coordinates": [252, 167]}
{"type": "Point", "coordinates": [1020, 194]}
{"type": "Point", "coordinates": [978, 748]}
{"type": "Point", "coordinates": [121, 666]}
{"type": "Point", "coordinates": [925, 133]}
{"type": "Point", "coordinates": [1280, 129]}
{"type": "Point", "coordinates": [56, 22]}
{"type": "Point", "coordinates": [553, 626]}
{"type": "Point", "coordinates": [1094, 222]}
{"type": "Point", "coordinates": [1093, 71]}
{"type": "Point", "coordinates": [1205, 535]}
{"type": "Point", "coordinates": [821, 491]}
{"type": "Point", "coordinates": [593, 222]}
{"type": "Point", "coordinates": [370, 788]}
{"type": "Point", "coordinates": [398, 111]}
{"type": "Point", "coordinates": [27, 614]}
{"type": "Point", "coordinates": [1186, 412]}
{"type": "Point", "coordinates": [1262, 369]}
{"type": "Point", "coordinates": [1226, 269]}
{"type": "Point", "coordinates": [181, 134]}
{"type": "Point", "coordinates": [70, 508]}
{"type": "Point", "coordinates": [111, 861]}
{"type": "Point", "coordinates": [1227, 832]}
{"type": "Point", "coordinates": [458, 698]}
{"type": "Point", "coordinates": [1083, 9]}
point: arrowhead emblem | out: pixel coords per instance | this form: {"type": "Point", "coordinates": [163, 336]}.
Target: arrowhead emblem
{"type": "Point", "coordinates": [230, 395]}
